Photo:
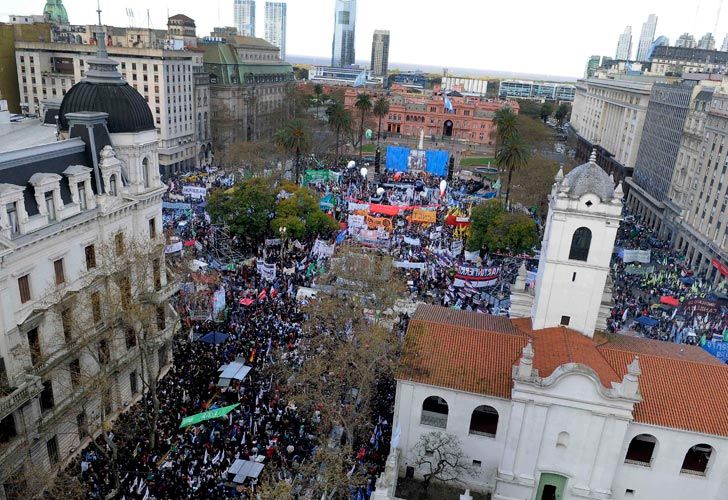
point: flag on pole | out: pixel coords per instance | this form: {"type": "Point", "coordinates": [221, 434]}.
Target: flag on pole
{"type": "Point", "coordinates": [361, 80]}
{"type": "Point", "coordinates": [448, 104]}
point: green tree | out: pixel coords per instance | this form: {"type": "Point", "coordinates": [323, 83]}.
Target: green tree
{"type": "Point", "coordinates": [511, 232]}
{"type": "Point", "coordinates": [512, 155]}
{"type": "Point", "coordinates": [505, 120]}
{"type": "Point", "coordinates": [381, 109]}
{"type": "Point", "coordinates": [295, 138]}
{"type": "Point", "coordinates": [547, 109]}
{"type": "Point", "coordinates": [364, 105]}
{"type": "Point", "coordinates": [563, 112]}
{"type": "Point", "coordinates": [300, 213]}
{"type": "Point", "coordinates": [481, 219]}
{"type": "Point", "coordinates": [245, 208]}
{"type": "Point", "coordinates": [340, 121]}
{"type": "Point", "coordinates": [318, 92]}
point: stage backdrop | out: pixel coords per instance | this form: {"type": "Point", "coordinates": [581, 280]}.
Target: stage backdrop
{"type": "Point", "coordinates": [398, 160]}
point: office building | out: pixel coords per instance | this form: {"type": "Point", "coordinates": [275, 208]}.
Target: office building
{"type": "Point", "coordinates": [724, 46]}
{"type": "Point", "coordinates": [244, 16]}
{"type": "Point", "coordinates": [591, 66]}
{"type": "Point", "coordinates": [608, 115]}
{"type": "Point", "coordinates": [326, 75]}
{"type": "Point", "coordinates": [647, 35]}
{"type": "Point", "coordinates": [342, 48]}
{"type": "Point", "coordinates": [528, 89]}
{"type": "Point", "coordinates": [465, 86]}
{"type": "Point", "coordinates": [707, 42]}
{"type": "Point", "coordinates": [275, 26]}
{"type": "Point", "coordinates": [660, 41]}
{"type": "Point", "coordinates": [380, 53]}
{"type": "Point", "coordinates": [416, 80]}
{"type": "Point", "coordinates": [686, 40]}
{"type": "Point", "coordinates": [181, 27]}
{"type": "Point", "coordinates": [677, 61]}
{"type": "Point", "coordinates": [249, 90]}
{"type": "Point", "coordinates": [624, 45]}
{"type": "Point", "coordinates": [83, 274]}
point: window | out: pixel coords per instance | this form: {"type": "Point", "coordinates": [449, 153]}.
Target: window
{"type": "Point", "coordinates": [162, 356]}
{"type": "Point", "coordinates": [82, 195]}
{"type": "Point", "coordinates": [46, 396]}
{"type": "Point", "coordinates": [34, 346]}
{"type": "Point", "coordinates": [4, 382]}
{"type": "Point", "coordinates": [96, 307]}
{"type": "Point", "coordinates": [112, 185]}
{"type": "Point", "coordinates": [24, 287]}
{"type": "Point", "coordinates": [146, 173]}
{"type": "Point", "coordinates": [52, 447]}
{"type": "Point", "coordinates": [562, 440]}
{"type": "Point", "coordinates": [90, 252]}
{"type": "Point", "coordinates": [125, 291]}
{"type": "Point", "coordinates": [58, 268]}
{"type": "Point", "coordinates": [161, 318]}
{"type": "Point", "coordinates": [641, 450]}
{"type": "Point", "coordinates": [74, 367]}
{"type": "Point", "coordinates": [157, 273]}
{"type": "Point", "coordinates": [152, 229]}
{"type": "Point", "coordinates": [82, 425]}
{"type": "Point", "coordinates": [477, 463]}
{"type": "Point", "coordinates": [12, 210]}
{"type": "Point", "coordinates": [131, 339]}
{"type": "Point", "coordinates": [573, 277]}
{"type": "Point", "coordinates": [104, 354]}
{"type": "Point", "coordinates": [107, 401]}
{"type": "Point", "coordinates": [434, 412]}
{"type": "Point", "coordinates": [133, 383]}
{"type": "Point", "coordinates": [119, 243]}
{"type": "Point", "coordinates": [697, 459]}
{"type": "Point", "coordinates": [580, 243]}
{"type": "Point", "coordinates": [484, 421]}
{"type": "Point", "coordinates": [50, 206]}
{"type": "Point", "coordinates": [565, 320]}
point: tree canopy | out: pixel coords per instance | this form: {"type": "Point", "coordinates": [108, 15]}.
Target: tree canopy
{"type": "Point", "coordinates": [299, 212]}
{"type": "Point", "coordinates": [494, 229]}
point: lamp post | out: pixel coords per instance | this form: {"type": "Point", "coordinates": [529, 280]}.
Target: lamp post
{"type": "Point", "coordinates": [363, 173]}
{"type": "Point", "coordinates": [282, 231]}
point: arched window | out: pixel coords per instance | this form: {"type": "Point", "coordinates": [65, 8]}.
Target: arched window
{"type": "Point", "coordinates": [484, 421]}
{"type": "Point", "coordinates": [145, 173]}
{"type": "Point", "coordinates": [112, 185]}
{"type": "Point", "coordinates": [580, 243]}
{"type": "Point", "coordinates": [434, 412]}
{"type": "Point", "coordinates": [697, 459]}
{"type": "Point", "coordinates": [641, 450]}
{"type": "Point", "coordinates": [562, 440]}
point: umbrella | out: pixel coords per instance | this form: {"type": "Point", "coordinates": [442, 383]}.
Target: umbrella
{"type": "Point", "coordinates": [214, 338]}
{"type": "Point", "coordinates": [647, 321]}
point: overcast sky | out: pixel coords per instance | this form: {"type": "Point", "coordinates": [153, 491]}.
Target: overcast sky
{"type": "Point", "coordinates": [531, 36]}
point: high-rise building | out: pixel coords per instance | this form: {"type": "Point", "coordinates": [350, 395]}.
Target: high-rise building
{"type": "Point", "coordinates": [380, 52]}
{"type": "Point", "coordinates": [591, 66]}
{"type": "Point", "coordinates": [707, 42]}
{"type": "Point", "coordinates": [660, 41]}
{"type": "Point", "coordinates": [624, 46]}
{"type": "Point", "coordinates": [646, 36]}
{"type": "Point", "coordinates": [342, 49]}
{"type": "Point", "coordinates": [724, 47]}
{"type": "Point", "coordinates": [686, 40]}
{"type": "Point", "coordinates": [244, 16]}
{"type": "Point", "coordinates": [275, 25]}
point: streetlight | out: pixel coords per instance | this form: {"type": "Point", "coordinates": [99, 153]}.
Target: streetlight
{"type": "Point", "coordinates": [363, 173]}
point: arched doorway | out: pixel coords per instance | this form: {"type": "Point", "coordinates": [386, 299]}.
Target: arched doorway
{"type": "Point", "coordinates": [447, 128]}
{"type": "Point", "coordinates": [551, 487]}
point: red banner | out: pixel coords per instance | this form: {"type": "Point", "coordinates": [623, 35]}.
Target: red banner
{"type": "Point", "coordinates": [720, 266]}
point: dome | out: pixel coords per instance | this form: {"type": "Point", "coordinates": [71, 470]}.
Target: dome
{"type": "Point", "coordinates": [128, 110]}
{"type": "Point", "coordinates": [55, 12]}
{"type": "Point", "coordinates": [589, 178]}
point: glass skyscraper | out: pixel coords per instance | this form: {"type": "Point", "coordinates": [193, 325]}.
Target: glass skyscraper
{"type": "Point", "coordinates": [342, 52]}
{"type": "Point", "coordinates": [244, 17]}
{"type": "Point", "coordinates": [275, 25]}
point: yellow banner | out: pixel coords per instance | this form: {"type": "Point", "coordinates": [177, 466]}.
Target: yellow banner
{"type": "Point", "coordinates": [424, 216]}
{"type": "Point", "coordinates": [377, 222]}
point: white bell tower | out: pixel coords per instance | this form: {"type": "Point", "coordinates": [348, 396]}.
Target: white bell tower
{"type": "Point", "coordinates": [584, 214]}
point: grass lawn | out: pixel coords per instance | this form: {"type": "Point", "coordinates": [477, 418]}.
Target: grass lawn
{"type": "Point", "coordinates": [369, 148]}
{"type": "Point", "coordinates": [476, 161]}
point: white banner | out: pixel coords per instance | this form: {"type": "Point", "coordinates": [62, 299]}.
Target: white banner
{"type": "Point", "coordinates": [358, 206]}
{"type": "Point", "coordinates": [267, 271]}
{"type": "Point", "coordinates": [404, 264]}
{"type": "Point", "coordinates": [412, 241]}
{"type": "Point", "coordinates": [456, 247]}
{"type": "Point", "coordinates": [321, 249]}
{"type": "Point", "coordinates": [272, 242]}
{"type": "Point", "coordinates": [174, 247]}
{"type": "Point", "coordinates": [476, 277]}
{"type": "Point", "coordinates": [642, 256]}
{"type": "Point", "coordinates": [195, 192]}
{"type": "Point", "coordinates": [356, 222]}
{"type": "Point", "coordinates": [472, 256]}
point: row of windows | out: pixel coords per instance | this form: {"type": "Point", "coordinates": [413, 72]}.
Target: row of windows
{"type": "Point", "coordinates": [642, 449]}
{"type": "Point", "coordinates": [483, 420]}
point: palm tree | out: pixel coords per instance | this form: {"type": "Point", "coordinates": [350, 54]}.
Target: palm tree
{"type": "Point", "coordinates": [295, 138]}
{"type": "Point", "coordinates": [364, 105]}
{"type": "Point", "coordinates": [381, 109]}
{"type": "Point", "coordinates": [318, 91]}
{"type": "Point", "coordinates": [512, 155]}
{"type": "Point", "coordinates": [339, 121]}
{"type": "Point", "coordinates": [505, 126]}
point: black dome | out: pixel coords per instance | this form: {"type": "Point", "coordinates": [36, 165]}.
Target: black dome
{"type": "Point", "coordinates": [127, 109]}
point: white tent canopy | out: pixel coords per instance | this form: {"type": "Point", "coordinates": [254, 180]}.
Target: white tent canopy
{"type": "Point", "coordinates": [235, 370]}
{"type": "Point", "coordinates": [240, 470]}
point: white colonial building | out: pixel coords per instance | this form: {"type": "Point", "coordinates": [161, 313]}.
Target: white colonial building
{"type": "Point", "coordinates": [545, 411]}
{"type": "Point", "coordinates": [71, 211]}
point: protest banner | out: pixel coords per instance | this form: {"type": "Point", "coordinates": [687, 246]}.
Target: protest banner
{"type": "Point", "coordinates": [353, 207]}
{"type": "Point", "coordinates": [422, 216]}
{"type": "Point", "coordinates": [472, 256]}
{"type": "Point", "coordinates": [321, 249]}
{"type": "Point", "coordinates": [272, 242]}
{"type": "Point", "coordinates": [194, 192]}
{"type": "Point", "coordinates": [173, 248]}
{"type": "Point", "coordinates": [642, 256]}
{"type": "Point", "coordinates": [377, 222]}
{"type": "Point", "coordinates": [266, 271]}
{"type": "Point", "coordinates": [207, 415]}
{"type": "Point", "coordinates": [415, 242]}
{"type": "Point", "coordinates": [356, 222]}
{"type": "Point", "coordinates": [456, 247]}
{"type": "Point", "coordinates": [180, 207]}
{"type": "Point", "coordinates": [404, 264]}
{"type": "Point", "coordinates": [476, 276]}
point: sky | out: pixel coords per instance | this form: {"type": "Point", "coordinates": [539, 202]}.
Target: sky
{"type": "Point", "coordinates": [534, 36]}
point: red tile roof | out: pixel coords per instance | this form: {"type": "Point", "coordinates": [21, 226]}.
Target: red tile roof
{"type": "Point", "coordinates": [682, 386]}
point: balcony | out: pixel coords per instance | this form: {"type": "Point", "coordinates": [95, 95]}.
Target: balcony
{"type": "Point", "coordinates": [28, 390]}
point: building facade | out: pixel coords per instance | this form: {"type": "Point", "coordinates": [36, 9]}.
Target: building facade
{"type": "Point", "coordinates": [707, 42]}
{"type": "Point", "coordinates": [541, 91]}
{"type": "Point", "coordinates": [470, 121]}
{"type": "Point", "coordinates": [609, 115]}
{"type": "Point", "coordinates": [380, 53]}
{"type": "Point", "coordinates": [646, 36]}
{"type": "Point", "coordinates": [181, 27]}
{"type": "Point", "coordinates": [680, 60]}
{"type": "Point", "coordinates": [275, 26]}
{"type": "Point", "coordinates": [244, 17]}
{"type": "Point", "coordinates": [84, 319]}
{"type": "Point", "coordinates": [343, 52]}
{"type": "Point", "coordinates": [686, 40]}
{"type": "Point", "coordinates": [249, 90]}
{"type": "Point", "coordinates": [46, 71]}
{"type": "Point", "coordinates": [624, 45]}
{"type": "Point", "coordinates": [327, 75]}
{"type": "Point", "coordinates": [591, 66]}
{"type": "Point", "coordinates": [466, 86]}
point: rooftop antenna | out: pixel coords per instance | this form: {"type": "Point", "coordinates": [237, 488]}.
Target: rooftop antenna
{"type": "Point", "coordinates": [130, 16]}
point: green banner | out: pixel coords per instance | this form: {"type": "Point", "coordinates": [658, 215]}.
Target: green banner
{"type": "Point", "coordinates": [319, 176]}
{"type": "Point", "coordinates": [207, 415]}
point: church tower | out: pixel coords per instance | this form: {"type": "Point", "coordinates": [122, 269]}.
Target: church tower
{"type": "Point", "coordinates": [584, 214]}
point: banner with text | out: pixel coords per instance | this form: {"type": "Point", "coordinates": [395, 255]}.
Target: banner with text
{"type": "Point", "coordinates": [267, 271]}
{"type": "Point", "coordinates": [642, 256]}
{"type": "Point", "coordinates": [194, 192]}
{"type": "Point", "coordinates": [476, 276]}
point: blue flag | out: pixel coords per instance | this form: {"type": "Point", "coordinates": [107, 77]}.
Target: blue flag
{"type": "Point", "coordinates": [361, 80]}
{"type": "Point", "coordinates": [448, 104]}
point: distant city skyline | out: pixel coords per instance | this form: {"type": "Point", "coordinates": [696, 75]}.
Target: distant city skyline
{"type": "Point", "coordinates": [555, 38]}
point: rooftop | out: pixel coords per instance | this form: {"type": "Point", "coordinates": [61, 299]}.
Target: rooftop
{"type": "Point", "coordinates": [25, 133]}
{"type": "Point", "coordinates": [680, 384]}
